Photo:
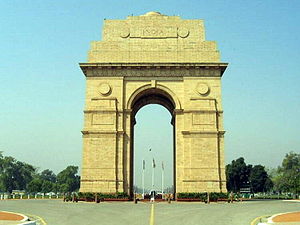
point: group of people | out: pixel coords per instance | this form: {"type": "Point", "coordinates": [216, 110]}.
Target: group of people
{"type": "Point", "coordinates": [233, 197]}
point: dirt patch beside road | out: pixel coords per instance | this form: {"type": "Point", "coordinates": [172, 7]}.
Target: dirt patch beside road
{"type": "Point", "coordinates": [10, 216]}
{"type": "Point", "coordinates": [288, 217]}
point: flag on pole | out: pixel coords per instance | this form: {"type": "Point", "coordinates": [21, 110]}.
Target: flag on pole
{"type": "Point", "coordinates": [153, 163]}
{"type": "Point", "coordinates": [143, 164]}
{"type": "Point", "coordinates": [162, 165]}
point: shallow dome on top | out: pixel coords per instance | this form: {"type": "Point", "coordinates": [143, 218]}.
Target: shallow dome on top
{"type": "Point", "coordinates": [153, 14]}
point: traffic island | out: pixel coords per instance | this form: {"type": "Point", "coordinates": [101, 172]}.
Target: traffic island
{"type": "Point", "coordinates": [292, 218]}
{"type": "Point", "coordinates": [14, 218]}
{"type": "Point", "coordinates": [286, 218]}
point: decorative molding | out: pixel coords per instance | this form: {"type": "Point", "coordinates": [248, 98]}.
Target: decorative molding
{"type": "Point", "coordinates": [103, 180]}
{"type": "Point", "coordinates": [87, 132]}
{"type": "Point", "coordinates": [178, 111]}
{"type": "Point", "coordinates": [101, 111]}
{"type": "Point", "coordinates": [153, 69]}
{"type": "Point", "coordinates": [188, 132]}
{"type": "Point", "coordinates": [153, 83]}
{"type": "Point", "coordinates": [102, 132]}
{"type": "Point", "coordinates": [111, 98]}
{"type": "Point", "coordinates": [201, 111]}
{"type": "Point", "coordinates": [203, 181]}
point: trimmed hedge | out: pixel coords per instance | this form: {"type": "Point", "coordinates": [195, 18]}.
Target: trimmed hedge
{"type": "Point", "coordinates": [202, 196]}
{"type": "Point", "coordinates": [193, 195]}
{"type": "Point", "coordinates": [90, 196]}
{"type": "Point", "coordinates": [273, 197]}
{"type": "Point", "coordinates": [215, 196]}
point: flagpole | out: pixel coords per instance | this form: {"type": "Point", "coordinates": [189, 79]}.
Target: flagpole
{"type": "Point", "coordinates": [152, 178]}
{"type": "Point", "coordinates": [143, 178]}
{"type": "Point", "coordinates": [153, 167]}
{"type": "Point", "coordinates": [162, 177]}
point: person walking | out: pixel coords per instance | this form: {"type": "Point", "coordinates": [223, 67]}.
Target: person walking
{"type": "Point", "coordinates": [231, 195]}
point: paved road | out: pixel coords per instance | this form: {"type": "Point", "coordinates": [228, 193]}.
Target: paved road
{"type": "Point", "coordinates": [55, 212]}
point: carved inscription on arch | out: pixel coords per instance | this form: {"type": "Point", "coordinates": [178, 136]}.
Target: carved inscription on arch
{"type": "Point", "coordinates": [154, 32]}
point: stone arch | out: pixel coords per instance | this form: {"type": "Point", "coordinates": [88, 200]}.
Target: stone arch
{"type": "Point", "coordinates": [157, 90]}
{"type": "Point", "coordinates": [144, 95]}
{"type": "Point", "coordinates": [189, 70]}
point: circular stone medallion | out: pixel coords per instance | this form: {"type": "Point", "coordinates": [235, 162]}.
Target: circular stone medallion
{"type": "Point", "coordinates": [124, 33]}
{"type": "Point", "coordinates": [183, 32]}
{"type": "Point", "coordinates": [104, 89]}
{"type": "Point", "coordinates": [202, 88]}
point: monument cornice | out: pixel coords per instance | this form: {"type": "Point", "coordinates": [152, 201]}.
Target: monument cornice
{"type": "Point", "coordinates": [189, 132]}
{"type": "Point", "coordinates": [87, 132]}
{"type": "Point", "coordinates": [153, 69]}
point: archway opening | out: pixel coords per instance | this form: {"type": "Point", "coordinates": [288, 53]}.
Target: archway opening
{"type": "Point", "coordinates": [153, 143]}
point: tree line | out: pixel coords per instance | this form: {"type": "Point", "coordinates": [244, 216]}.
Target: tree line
{"type": "Point", "coordinates": [16, 175]}
{"type": "Point", "coordinates": [284, 179]}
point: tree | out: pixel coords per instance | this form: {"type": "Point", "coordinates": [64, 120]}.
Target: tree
{"type": "Point", "coordinates": [22, 176]}
{"type": "Point", "coordinates": [47, 186]}
{"type": "Point", "coordinates": [259, 179]}
{"type": "Point", "coordinates": [68, 179]}
{"type": "Point", "coordinates": [237, 174]}
{"type": "Point", "coordinates": [64, 188]}
{"type": "Point", "coordinates": [48, 175]}
{"type": "Point", "coordinates": [240, 175]}
{"type": "Point", "coordinates": [35, 185]}
{"type": "Point", "coordinates": [7, 179]}
{"type": "Point", "coordinates": [14, 174]}
{"type": "Point", "coordinates": [288, 177]}
{"type": "Point", "coordinates": [1, 159]}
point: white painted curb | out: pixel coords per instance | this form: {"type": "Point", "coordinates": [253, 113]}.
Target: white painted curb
{"type": "Point", "coordinates": [28, 223]}
{"type": "Point", "coordinates": [293, 200]}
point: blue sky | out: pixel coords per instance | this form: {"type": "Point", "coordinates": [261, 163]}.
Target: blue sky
{"type": "Point", "coordinates": [42, 87]}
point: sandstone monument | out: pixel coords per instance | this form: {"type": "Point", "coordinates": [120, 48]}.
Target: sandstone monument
{"type": "Point", "coordinates": [153, 58]}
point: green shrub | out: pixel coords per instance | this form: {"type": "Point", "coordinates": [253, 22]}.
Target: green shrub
{"type": "Point", "coordinates": [273, 197]}
{"type": "Point", "coordinates": [90, 196]}
{"type": "Point", "coordinates": [214, 196]}
{"type": "Point", "coordinates": [122, 195]}
{"type": "Point", "coordinates": [193, 195]}
{"type": "Point", "coordinates": [87, 196]}
{"type": "Point", "coordinates": [202, 196]}
{"type": "Point", "coordinates": [68, 198]}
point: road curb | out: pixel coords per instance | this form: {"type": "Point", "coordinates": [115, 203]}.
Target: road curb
{"type": "Point", "coordinates": [259, 220]}
{"type": "Point", "coordinates": [267, 220]}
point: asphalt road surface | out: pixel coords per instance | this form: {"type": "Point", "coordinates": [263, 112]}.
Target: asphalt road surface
{"type": "Point", "coordinates": [56, 212]}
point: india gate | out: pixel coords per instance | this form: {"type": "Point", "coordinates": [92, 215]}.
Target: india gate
{"type": "Point", "coordinates": [153, 59]}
